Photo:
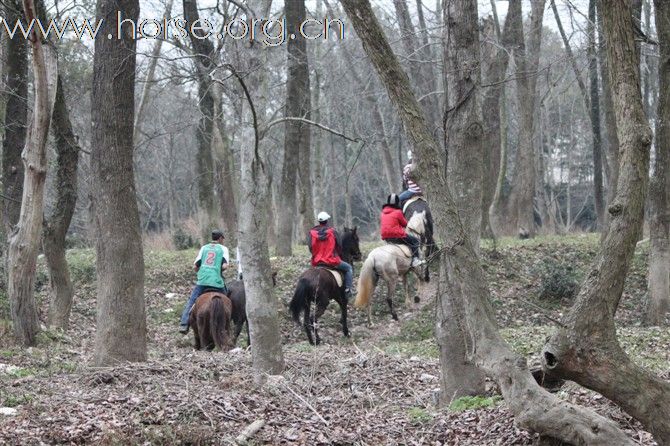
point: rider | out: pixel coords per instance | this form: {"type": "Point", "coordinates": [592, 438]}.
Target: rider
{"type": "Point", "coordinates": [393, 225]}
{"type": "Point", "coordinates": [210, 263]}
{"type": "Point", "coordinates": [412, 188]}
{"type": "Point", "coordinates": [324, 244]}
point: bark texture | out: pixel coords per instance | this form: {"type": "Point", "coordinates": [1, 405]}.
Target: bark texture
{"type": "Point", "coordinates": [463, 135]}
{"type": "Point", "coordinates": [295, 169]}
{"type": "Point", "coordinates": [659, 222]}
{"type": "Point", "coordinates": [57, 223]}
{"type": "Point", "coordinates": [526, 57]}
{"type": "Point", "coordinates": [587, 350]}
{"type": "Point", "coordinates": [16, 119]}
{"type": "Point", "coordinates": [533, 407]}
{"type": "Point", "coordinates": [121, 318]}
{"type": "Point", "coordinates": [24, 241]}
{"type": "Point", "coordinates": [266, 351]}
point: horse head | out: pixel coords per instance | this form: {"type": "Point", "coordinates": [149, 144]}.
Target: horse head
{"type": "Point", "coordinates": [351, 244]}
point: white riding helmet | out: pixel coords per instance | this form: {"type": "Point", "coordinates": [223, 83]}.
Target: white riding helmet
{"type": "Point", "coordinates": [409, 154]}
{"type": "Point", "coordinates": [323, 216]}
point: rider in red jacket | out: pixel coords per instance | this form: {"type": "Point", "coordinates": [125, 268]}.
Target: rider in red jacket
{"type": "Point", "coordinates": [324, 244]}
{"type": "Point", "coordinates": [393, 225]}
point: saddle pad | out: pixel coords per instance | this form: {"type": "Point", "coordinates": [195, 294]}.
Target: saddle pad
{"type": "Point", "coordinates": [337, 275]}
{"type": "Point", "coordinates": [410, 201]}
{"type": "Point", "coordinates": [403, 249]}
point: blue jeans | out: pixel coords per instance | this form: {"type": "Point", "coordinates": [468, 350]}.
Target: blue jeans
{"type": "Point", "coordinates": [406, 195]}
{"type": "Point", "coordinates": [197, 291]}
{"type": "Point", "coordinates": [348, 274]}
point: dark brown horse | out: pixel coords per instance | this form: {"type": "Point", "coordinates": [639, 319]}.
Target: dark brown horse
{"type": "Point", "coordinates": [210, 319]}
{"type": "Point", "coordinates": [238, 297]}
{"type": "Point", "coordinates": [318, 285]}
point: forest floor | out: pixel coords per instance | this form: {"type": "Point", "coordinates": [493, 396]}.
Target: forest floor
{"type": "Point", "coordinates": [376, 388]}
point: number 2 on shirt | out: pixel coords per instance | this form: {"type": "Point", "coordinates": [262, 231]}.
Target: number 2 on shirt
{"type": "Point", "coordinates": [210, 258]}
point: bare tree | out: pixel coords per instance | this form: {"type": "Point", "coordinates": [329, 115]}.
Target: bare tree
{"type": "Point", "coordinates": [24, 241]}
{"type": "Point", "coordinates": [659, 189]}
{"type": "Point", "coordinates": [213, 150]}
{"type": "Point", "coordinates": [16, 119]}
{"type": "Point", "coordinates": [591, 103]}
{"type": "Point", "coordinates": [464, 143]}
{"type": "Point", "coordinates": [526, 57]}
{"type": "Point", "coordinates": [266, 352]}
{"type": "Point", "coordinates": [57, 223]}
{"type": "Point", "coordinates": [587, 350]}
{"type": "Point", "coordinates": [534, 408]}
{"type": "Point", "coordinates": [296, 165]}
{"type": "Point", "coordinates": [121, 317]}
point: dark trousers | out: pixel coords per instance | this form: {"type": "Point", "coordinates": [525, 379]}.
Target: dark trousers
{"type": "Point", "coordinates": [408, 240]}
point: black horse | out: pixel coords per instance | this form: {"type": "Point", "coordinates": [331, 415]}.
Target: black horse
{"type": "Point", "coordinates": [319, 285]}
{"type": "Point", "coordinates": [420, 224]}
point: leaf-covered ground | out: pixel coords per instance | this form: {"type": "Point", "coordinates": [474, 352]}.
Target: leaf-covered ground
{"type": "Point", "coordinates": [379, 387]}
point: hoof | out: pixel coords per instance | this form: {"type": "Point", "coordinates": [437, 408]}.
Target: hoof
{"type": "Point", "coordinates": [417, 299]}
{"type": "Point", "coordinates": [395, 317]}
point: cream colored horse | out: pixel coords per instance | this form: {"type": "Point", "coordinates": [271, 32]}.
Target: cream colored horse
{"type": "Point", "coordinates": [390, 262]}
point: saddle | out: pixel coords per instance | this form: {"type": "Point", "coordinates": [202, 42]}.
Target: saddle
{"type": "Point", "coordinates": [410, 201]}
{"type": "Point", "coordinates": [402, 248]}
{"type": "Point", "coordinates": [337, 275]}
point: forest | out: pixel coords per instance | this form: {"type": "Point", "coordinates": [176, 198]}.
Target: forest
{"type": "Point", "coordinates": [365, 222]}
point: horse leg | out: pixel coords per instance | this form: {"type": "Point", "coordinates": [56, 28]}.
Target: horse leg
{"type": "Point", "coordinates": [370, 315]}
{"type": "Point", "coordinates": [343, 320]}
{"type": "Point", "coordinates": [389, 298]}
{"type": "Point", "coordinates": [196, 336]}
{"type": "Point", "coordinates": [405, 287]}
{"type": "Point", "coordinates": [238, 330]}
{"type": "Point", "coordinates": [308, 323]}
{"type": "Point", "coordinates": [320, 309]}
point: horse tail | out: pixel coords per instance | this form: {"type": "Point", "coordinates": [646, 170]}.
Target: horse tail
{"type": "Point", "coordinates": [300, 301]}
{"type": "Point", "coordinates": [366, 283]}
{"type": "Point", "coordinates": [217, 321]}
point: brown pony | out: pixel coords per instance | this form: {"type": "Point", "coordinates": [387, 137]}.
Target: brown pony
{"type": "Point", "coordinates": [210, 319]}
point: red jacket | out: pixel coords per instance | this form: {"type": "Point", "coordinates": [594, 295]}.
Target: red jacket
{"type": "Point", "coordinates": [392, 223]}
{"type": "Point", "coordinates": [324, 246]}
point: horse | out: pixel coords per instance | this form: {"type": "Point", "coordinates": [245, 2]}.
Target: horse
{"type": "Point", "coordinates": [319, 285]}
{"type": "Point", "coordinates": [210, 319]}
{"type": "Point", "coordinates": [390, 262]}
{"type": "Point", "coordinates": [238, 298]}
{"type": "Point", "coordinates": [420, 224]}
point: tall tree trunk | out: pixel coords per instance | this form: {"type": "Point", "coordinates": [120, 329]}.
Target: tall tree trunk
{"type": "Point", "coordinates": [609, 118]}
{"type": "Point", "coordinates": [24, 241]}
{"type": "Point", "coordinates": [595, 119]}
{"type": "Point", "coordinates": [266, 352]}
{"type": "Point", "coordinates": [527, 60]}
{"type": "Point", "coordinates": [592, 109]}
{"type": "Point", "coordinates": [16, 118]}
{"type": "Point", "coordinates": [534, 408]}
{"type": "Point", "coordinates": [121, 319]}
{"type": "Point", "coordinates": [659, 223]}
{"type": "Point", "coordinates": [587, 350]}
{"type": "Point", "coordinates": [223, 176]}
{"type": "Point", "coordinates": [296, 133]}
{"type": "Point", "coordinates": [208, 142]}
{"type": "Point", "coordinates": [464, 143]}
{"type": "Point", "coordinates": [494, 69]}
{"type": "Point", "coordinates": [56, 225]}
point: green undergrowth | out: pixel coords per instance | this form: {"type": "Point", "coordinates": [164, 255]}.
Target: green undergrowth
{"type": "Point", "coordinates": [474, 402]}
